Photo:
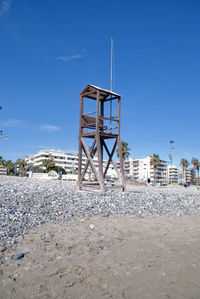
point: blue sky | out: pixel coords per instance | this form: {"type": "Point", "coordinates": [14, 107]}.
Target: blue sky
{"type": "Point", "coordinates": [49, 51]}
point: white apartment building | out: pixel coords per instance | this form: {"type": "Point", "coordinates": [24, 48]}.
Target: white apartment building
{"type": "Point", "coordinates": [3, 170]}
{"type": "Point", "coordinates": [172, 174]}
{"type": "Point", "coordinates": [66, 160]}
{"type": "Point", "coordinates": [187, 176]}
{"type": "Point", "coordinates": [142, 170]}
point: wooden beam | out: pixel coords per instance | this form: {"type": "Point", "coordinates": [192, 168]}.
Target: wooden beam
{"type": "Point", "coordinates": [112, 128]}
{"type": "Point", "coordinates": [120, 148]}
{"type": "Point", "coordinates": [92, 153]}
{"type": "Point", "coordinates": [110, 158]}
{"type": "Point", "coordinates": [110, 99]}
{"type": "Point", "coordinates": [98, 142]}
{"type": "Point", "coordinates": [109, 118]}
{"type": "Point", "coordinates": [88, 93]}
{"type": "Point", "coordinates": [88, 113]}
{"type": "Point", "coordinates": [91, 161]}
{"type": "Point", "coordinates": [121, 163]}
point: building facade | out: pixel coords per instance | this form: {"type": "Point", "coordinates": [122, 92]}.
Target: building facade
{"type": "Point", "coordinates": [186, 176]}
{"type": "Point", "coordinates": [66, 160]}
{"type": "Point", "coordinates": [142, 170]}
{"type": "Point", "coordinates": [3, 170]}
{"type": "Point", "coordinates": [172, 174]}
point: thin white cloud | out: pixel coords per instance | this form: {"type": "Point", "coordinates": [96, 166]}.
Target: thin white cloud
{"type": "Point", "coordinates": [4, 7]}
{"type": "Point", "coordinates": [11, 123]}
{"type": "Point", "coordinates": [72, 57]}
{"type": "Point", "coordinates": [49, 128]}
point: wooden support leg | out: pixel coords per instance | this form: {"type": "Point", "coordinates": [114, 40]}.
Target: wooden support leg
{"type": "Point", "coordinates": [79, 165]}
{"type": "Point", "coordinates": [91, 161]}
{"type": "Point", "coordinates": [92, 153]}
{"type": "Point", "coordinates": [100, 162]}
{"type": "Point", "coordinates": [121, 164]}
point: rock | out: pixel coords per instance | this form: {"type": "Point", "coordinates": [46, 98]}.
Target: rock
{"type": "Point", "coordinates": [2, 249]}
{"type": "Point", "coordinates": [27, 204]}
{"type": "Point", "coordinates": [91, 226]}
{"type": "Point", "coordinates": [18, 256]}
{"type": "Point", "coordinates": [100, 247]}
{"type": "Point", "coordinates": [14, 241]}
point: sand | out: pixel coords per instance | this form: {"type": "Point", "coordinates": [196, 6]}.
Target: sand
{"type": "Point", "coordinates": [117, 257]}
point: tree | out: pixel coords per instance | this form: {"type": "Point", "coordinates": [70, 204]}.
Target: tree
{"type": "Point", "coordinates": [195, 163]}
{"type": "Point", "coordinates": [125, 150]}
{"type": "Point", "coordinates": [198, 166]}
{"type": "Point", "coordinates": [48, 163]}
{"type": "Point", "coordinates": [2, 161]}
{"type": "Point", "coordinates": [184, 163]}
{"type": "Point", "coordinates": [155, 161]}
{"type": "Point", "coordinates": [10, 167]}
{"type": "Point", "coordinates": [21, 163]}
{"type": "Point", "coordinates": [36, 169]}
{"type": "Point", "coordinates": [58, 168]}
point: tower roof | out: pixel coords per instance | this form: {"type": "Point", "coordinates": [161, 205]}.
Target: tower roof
{"type": "Point", "coordinates": [103, 95]}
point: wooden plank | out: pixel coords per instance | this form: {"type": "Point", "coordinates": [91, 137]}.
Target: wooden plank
{"type": "Point", "coordinates": [102, 129]}
{"type": "Point", "coordinates": [89, 113]}
{"type": "Point", "coordinates": [109, 118]}
{"type": "Point", "coordinates": [121, 162]}
{"type": "Point", "coordinates": [92, 153]}
{"type": "Point", "coordinates": [104, 135]}
{"type": "Point", "coordinates": [89, 93]}
{"type": "Point", "coordinates": [112, 128]}
{"type": "Point", "coordinates": [120, 148]}
{"type": "Point", "coordinates": [90, 184]}
{"type": "Point", "coordinates": [91, 121]}
{"type": "Point", "coordinates": [100, 161]}
{"type": "Point", "coordinates": [110, 99]}
{"type": "Point", "coordinates": [118, 130]}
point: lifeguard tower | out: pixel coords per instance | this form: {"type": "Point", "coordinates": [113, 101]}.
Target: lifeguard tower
{"type": "Point", "coordinates": [99, 127]}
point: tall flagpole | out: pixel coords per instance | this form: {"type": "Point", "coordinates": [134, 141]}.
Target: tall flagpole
{"type": "Point", "coordinates": [111, 65]}
{"type": "Point", "coordinates": [111, 78]}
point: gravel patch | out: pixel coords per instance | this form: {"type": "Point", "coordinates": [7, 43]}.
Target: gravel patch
{"type": "Point", "coordinates": [25, 203]}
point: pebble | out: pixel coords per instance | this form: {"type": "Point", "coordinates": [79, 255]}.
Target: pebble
{"type": "Point", "coordinates": [2, 249]}
{"type": "Point", "coordinates": [27, 203]}
{"type": "Point", "coordinates": [100, 247]}
{"type": "Point", "coordinates": [18, 256]}
{"type": "Point", "coordinates": [91, 226]}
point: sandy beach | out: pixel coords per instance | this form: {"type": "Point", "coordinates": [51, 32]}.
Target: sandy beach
{"type": "Point", "coordinates": [147, 244]}
{"type": "Point", "coordinates": [117, 257]}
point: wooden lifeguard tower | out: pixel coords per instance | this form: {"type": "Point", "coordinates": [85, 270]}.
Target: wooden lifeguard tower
{"type": "Point", "coordinates": [99, 129]}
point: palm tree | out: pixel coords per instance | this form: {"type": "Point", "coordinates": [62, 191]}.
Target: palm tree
{"type": "Point", "coordinates": [195, 163]}
{"type": "Point", "coordinates": [48, 163]}
{"type": "Point", "coordinates": [2, 161]}
{"type": "Point", "coordinates": [184, 163]}
{"type": "Point", "coordinates": [155, 161]}
{"type": "Point", "coordinates": [125, 150]}
{"type": "Point", "coordinates": [21, 163]}
{"type": "Point", "coordinates": [198, 166]}
{"type": "Point", "coordinates": [10, 167]}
